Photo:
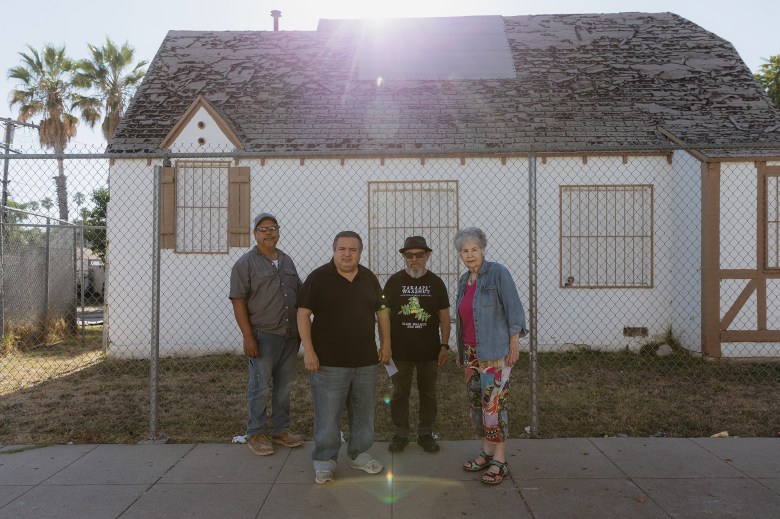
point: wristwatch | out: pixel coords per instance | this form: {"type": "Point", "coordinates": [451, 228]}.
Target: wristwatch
{"type": "Point", "coordinates": [445, 345]}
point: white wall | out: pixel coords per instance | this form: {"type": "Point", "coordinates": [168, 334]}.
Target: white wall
{"type": "Point", "coordinates": [686, 251]}
{"type": "Point", "coordinates": [595, 318]}
{"type": "Point", "coordinates": [316, 200]}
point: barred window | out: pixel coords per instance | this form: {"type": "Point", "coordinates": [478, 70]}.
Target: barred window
{"type": "Point", "coordinates": [606, 236]}
{"type": "Point", "coordinates": [202, 206]}
{"type": "Point", "coordinates": [401, 209]}
{"type": "Point", "coordinates": [773, 221]}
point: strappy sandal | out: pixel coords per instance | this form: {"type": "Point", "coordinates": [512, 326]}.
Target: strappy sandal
{"type": "Point", "coordinates": [472, 465]}
{"type": "Point", "coordinates": [494, 478]}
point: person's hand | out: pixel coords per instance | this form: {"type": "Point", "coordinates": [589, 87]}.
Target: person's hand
{"type": "Point", "coordinates": [385, 353]}
{"type": "Point", "coordinates": [514, 354]}
{"type": "Point", "coordinates": [251, 347]}
{"type": "Point", "coordinates": [311, 361]}
{"type": "Point", "coordinates": [442, 357]}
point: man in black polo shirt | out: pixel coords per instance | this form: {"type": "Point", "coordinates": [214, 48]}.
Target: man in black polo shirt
{"type": "Point", "coordinates": [341, 355]}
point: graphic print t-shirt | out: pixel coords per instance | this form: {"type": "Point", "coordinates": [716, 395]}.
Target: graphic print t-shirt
{"type": "Point", "coordinates": [414, 315]}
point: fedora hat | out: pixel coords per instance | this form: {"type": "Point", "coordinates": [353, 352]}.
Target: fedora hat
{"type": "Point", "coordinates": [415, 242]}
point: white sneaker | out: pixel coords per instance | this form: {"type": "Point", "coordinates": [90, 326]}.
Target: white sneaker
{"type": "Point", "coordinates": [364, 461]}
{"type": "Point", "coordinates": [325, 474]}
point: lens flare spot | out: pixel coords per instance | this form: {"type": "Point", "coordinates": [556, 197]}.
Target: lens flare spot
{"type": "Point", "coordinates": [386, 399]}
{"type": "Point", "coordinates": [379, 81]}
{"type": "Point", "coordinates": [389, 477]}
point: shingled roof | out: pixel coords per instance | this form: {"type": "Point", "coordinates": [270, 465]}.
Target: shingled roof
{"type": "Point", "coordinates": [605, 80]}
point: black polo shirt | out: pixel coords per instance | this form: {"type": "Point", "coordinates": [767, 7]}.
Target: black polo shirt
{"type": "Point", "coordinates": [343, 329]}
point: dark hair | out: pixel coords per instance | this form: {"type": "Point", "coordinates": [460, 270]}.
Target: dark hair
{"type": "Point", "coordinates": [348, 234]}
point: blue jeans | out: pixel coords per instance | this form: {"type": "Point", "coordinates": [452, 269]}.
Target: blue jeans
{"type": "Point", "coordinates": [333, 389]}
{"type": "Point", "coordinates": [275, 368]}
{"type": "Point", "coordinates": [427, 373]}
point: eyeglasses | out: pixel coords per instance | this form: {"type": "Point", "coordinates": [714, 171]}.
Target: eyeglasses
{"type": "Point", "coordinates": [266, 228]}
{"type": "Point", "coordinates": [410, 255]}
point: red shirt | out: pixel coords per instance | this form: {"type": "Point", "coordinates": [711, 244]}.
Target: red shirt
{"type": "Point", "coordinates": [466, 311]}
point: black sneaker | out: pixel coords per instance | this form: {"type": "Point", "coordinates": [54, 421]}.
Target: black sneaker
{"type": "Point", "coordinates": [397, 444]}
{"type": "Point", "coordinates": [428, 443]}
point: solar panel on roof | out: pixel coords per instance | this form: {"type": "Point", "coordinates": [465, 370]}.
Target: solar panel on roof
{"type": "Point", "coordinates": [473, 47]}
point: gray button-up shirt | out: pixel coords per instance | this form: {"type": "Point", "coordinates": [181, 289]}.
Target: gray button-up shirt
{"type": "Point", "coordinates": [270, 293]}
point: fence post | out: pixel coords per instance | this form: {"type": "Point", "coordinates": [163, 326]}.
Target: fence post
{"type": "Point", "coordinates": [3, 211]}
{"type": "Point", "coordinates": [46, 271]}
{"type": "Point", "coordinates": [81, 281]}
{"type": "Point", "coordinates": [2, 273]}
{"type": "Point", "coordinates": [155, 346]}
{"type": "Point", "coordinates": [532, 345]}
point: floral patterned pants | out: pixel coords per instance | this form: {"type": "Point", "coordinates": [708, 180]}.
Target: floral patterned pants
{"type": "Point", "coordinates": [488, 391]}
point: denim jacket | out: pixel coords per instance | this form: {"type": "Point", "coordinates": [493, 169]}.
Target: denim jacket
{"type": "Point", "coordinates": [498, 312]}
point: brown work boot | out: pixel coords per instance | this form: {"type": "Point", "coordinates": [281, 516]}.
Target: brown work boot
{"type": "Point", "coordinates": [260, 444]}
{"type": "Point", "coordinates": [288, 439]}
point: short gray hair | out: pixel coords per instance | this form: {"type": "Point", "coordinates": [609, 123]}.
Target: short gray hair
{"type": "Point", "coordinates": [470, 233]}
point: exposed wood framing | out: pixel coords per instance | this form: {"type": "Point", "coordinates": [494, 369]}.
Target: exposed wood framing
{"type": "Point", "coordinates": [761, 218]}
{"type": "Point", "coordinates": [738, 304]}
{"type": "Point", "coordinates": [750, 336]}
{"type": "Point", "coordinates": [710, 259]}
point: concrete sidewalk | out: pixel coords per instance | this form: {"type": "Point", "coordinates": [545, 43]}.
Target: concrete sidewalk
{"type": "Point", "coordinates": [577, 477]}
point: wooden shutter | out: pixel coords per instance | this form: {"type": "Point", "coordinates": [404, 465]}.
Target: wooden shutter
{"type": "Point", "coordinates": [238, 207]}
{"type": "Point", "coordinates": [168, 211]}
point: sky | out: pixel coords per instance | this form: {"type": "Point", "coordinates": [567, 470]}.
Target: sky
{"type": "Point", "coordinates": [749, 25]}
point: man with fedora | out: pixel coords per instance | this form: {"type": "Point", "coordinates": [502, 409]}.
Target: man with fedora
{"type": "Point", "coordinates": [419, 332]}
{"type": "Point", "coordinates": [264, 285]}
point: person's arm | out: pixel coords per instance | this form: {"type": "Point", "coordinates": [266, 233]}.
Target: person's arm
{"type": "Point", "coordinates": [383, 318]}
{"type": "Point", "coordinates": [310, 359]}
{"type": "Point", "coordinates": [514, 350]}
{"type": "Point", "coordinates": [510, 299]}
{"type": "Point", "coordinates": [241, 312]}
{"type": "Point", "coordinates": [444, 331]}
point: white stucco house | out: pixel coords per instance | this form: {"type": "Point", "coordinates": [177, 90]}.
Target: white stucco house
{"type": "Point", "coordinates": [650, 152]}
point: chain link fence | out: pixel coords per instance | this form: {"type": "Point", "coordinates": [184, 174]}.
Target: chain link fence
{"type": "Point", "coordinates": [607, 248]}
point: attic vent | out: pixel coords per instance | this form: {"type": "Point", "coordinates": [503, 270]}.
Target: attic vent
{"type": "Point", "coordinates": [469, 47]}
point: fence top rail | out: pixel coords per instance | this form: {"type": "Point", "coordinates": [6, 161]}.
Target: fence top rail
{"type": "Point", "coordinates": [762, 151]}
{"type": "Point", "coordinates": [31, 213]}
{"type": "Point", "coordinates": [70, 226]}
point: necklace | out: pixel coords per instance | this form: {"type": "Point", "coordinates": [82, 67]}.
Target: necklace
{"type": "Point", "coordinates": [472, 279]}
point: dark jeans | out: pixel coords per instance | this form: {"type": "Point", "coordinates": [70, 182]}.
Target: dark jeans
{"type": "Point", "coordinates": [275, 368]}
{"type": "Point", "coordinates": [427, 373]}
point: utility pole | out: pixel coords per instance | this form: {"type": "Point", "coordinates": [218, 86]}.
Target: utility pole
{"type": "Point", "coordinates": [10, 124]}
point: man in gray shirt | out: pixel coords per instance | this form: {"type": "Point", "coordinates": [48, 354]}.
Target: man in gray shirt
{"type": "Point", "coordinates": [264, 285]}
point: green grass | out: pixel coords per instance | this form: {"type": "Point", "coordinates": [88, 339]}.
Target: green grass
{"type": "Point", "coordinates": [71, 392]}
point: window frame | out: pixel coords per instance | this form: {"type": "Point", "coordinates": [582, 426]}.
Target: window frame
{"type": "Point", "coordinates": [646, 237]}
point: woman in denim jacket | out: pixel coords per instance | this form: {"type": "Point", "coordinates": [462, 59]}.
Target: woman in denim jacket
{"type": "Point", "coordinates": [490, 321]}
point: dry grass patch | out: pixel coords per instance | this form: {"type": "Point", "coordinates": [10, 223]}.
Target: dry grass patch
{"type": "Point", "coordinates": [26, 364]}
{"type": "Point", "coordinates": [204, 399]}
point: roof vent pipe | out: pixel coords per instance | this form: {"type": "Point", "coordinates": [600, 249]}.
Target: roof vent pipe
{"type": "Point", "coordinates": [276, 15]}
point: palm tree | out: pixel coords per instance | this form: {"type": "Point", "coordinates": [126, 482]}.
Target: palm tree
{"type": "Point", "coordinates": [46, 89]}
{"type": "Point", "coordinates": [47, 204]}
{"type": "Point", "coordinates": [111, 73]}
{"type": "Point", "coordinates": [79, 199]}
